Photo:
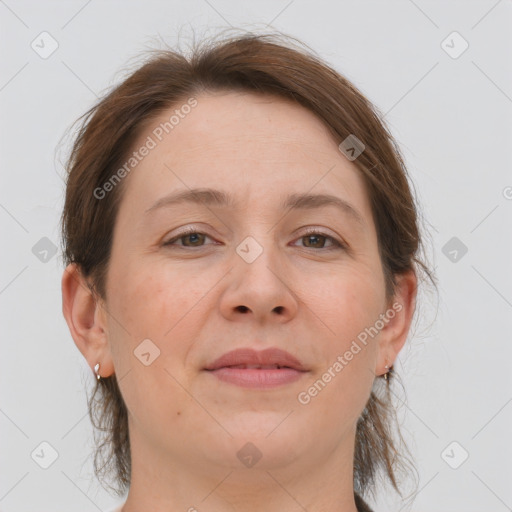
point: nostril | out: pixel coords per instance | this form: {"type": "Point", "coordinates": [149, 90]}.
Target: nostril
{"type": "Point", "coordinates": [243, 309]}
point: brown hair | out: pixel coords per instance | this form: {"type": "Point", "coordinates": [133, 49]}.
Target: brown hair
{"type": "Point", "coordinates": [270, 64]}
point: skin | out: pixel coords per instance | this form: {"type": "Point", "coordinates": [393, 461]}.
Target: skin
{"type": "Point", "coordinates": [186, 426]}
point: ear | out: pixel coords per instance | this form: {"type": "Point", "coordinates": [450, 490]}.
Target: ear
{"type": "Point", "coordinates": [86, 320]}
{"type": "Point", "coordinates": [399, 313]}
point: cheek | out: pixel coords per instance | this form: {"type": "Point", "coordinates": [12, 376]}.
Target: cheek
{"type": "Point", "coordinates": [152, 306]}
{"type": "Point", "coordinates": [339, 390]}
{"type": "Point", "coordinates": [160, 304]}
{"type": "Point", "coordinates": [348, 309]}
{"type": "Point", "coordinates": [352, 299]}
{"type": "Point", "coordinates": [151, 301]}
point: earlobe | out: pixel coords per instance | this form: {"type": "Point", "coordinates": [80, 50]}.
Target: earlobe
{"type": "Point", "coordinates": [401, 308]}
{"type": "Point", "coordinates": [85, 319]}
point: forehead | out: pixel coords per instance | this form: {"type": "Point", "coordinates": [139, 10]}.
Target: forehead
{"type": "Point", "coordinates": [254, 146]}
{"type": "Point", "coordinates": [239, 124]}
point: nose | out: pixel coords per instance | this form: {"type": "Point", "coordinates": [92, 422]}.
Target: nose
{"type": "Point", "coordinates": [260, 286]}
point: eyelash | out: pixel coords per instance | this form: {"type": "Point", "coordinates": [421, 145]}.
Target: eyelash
{"type": "Point", "coordinates": [337, 245]}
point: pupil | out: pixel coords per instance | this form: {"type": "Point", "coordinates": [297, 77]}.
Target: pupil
{"type": "Point", "coordinates": [193, 236]}
{"type": "Point", "coordinates": [313, 237]}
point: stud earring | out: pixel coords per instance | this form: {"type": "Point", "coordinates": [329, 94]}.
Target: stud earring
{"type": "Point", "coordinates": [96, 370]}
{"type": "Point", "coordinates": [389, 370]}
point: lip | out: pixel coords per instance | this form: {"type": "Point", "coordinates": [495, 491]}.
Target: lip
{"type": "Point", "coordinates": [292, 369]}
{"type": "Point", "coordinates": [249, 356]}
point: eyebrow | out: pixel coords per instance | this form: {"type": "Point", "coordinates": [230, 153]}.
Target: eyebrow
{"type": "Point", "coordinates": [212, 197]}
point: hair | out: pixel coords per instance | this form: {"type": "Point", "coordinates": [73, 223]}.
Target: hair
{"type": "Point", "coordinates": [267, 64]}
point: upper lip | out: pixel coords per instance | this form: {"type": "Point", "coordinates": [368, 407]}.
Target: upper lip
{"type": "Point", "coordinates": [249, 356]}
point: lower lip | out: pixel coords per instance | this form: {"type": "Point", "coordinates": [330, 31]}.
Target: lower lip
{"type": "Point", "coordinates": [254, 378]}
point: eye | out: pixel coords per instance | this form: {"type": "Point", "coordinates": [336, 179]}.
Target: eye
{"type": "Point", "coordinates": [192, 235]}
{"type": "Point", "coordinates": [317, 238]}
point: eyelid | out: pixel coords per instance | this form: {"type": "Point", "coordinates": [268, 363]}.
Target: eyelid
{"type": "Point", "coordinates": [338, 243]}
{"type": "Point", "coordinates": [184, 232]}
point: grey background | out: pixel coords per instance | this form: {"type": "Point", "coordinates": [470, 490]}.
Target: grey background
{"type": "Point", "coordinates": [451, 117]}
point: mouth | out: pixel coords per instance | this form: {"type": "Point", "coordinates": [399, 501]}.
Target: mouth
{"type": "Point", "coordinates": [257, 367]}
{"type": "Point", "coordinates": [249, 359]}
{"type": "Point", "coordinates": [257, 376]}
{"type": "Point", "coordinates": [265, 369]}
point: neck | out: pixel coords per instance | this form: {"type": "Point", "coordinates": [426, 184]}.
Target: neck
{"type": "Point", "coordinates": [324, 483]}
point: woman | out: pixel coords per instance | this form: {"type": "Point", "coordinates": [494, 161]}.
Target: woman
{"type": "Point", "coordinates": [242, 264]}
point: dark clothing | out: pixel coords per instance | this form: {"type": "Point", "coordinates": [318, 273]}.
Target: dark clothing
{"type": "Point", "coordinates": [361, 505]}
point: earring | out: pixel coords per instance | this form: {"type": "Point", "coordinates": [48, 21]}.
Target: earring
{"type": "Point", "coordinates": [96, 370]}
{"type": "Point", "coordinates": [386, 374]}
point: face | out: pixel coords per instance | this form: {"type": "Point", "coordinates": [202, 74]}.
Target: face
{"type": "Point", "coordinates": [247, 274]}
